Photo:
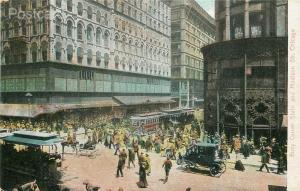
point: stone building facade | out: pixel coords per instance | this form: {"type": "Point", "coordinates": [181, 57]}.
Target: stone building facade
{"type": "Point", "coordinates": [192, 28]}
{"type": "Point", "coordinates": [74, 50]}
{"type": "Point", "coordinates": [246, 70]}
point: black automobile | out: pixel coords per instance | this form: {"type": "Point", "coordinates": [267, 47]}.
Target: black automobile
{"type": "Point", "coordinates": [203, 155]}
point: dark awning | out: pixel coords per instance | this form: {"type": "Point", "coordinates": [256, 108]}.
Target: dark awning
{"type": "Point", "coordinates": [32, 138]}
{"type": "Point", "coordinates": [33, 110]}
{"type": "Point", "coordinates": [138, 100]}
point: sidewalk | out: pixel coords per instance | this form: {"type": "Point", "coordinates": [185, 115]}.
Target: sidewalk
{"type": "Point", "coordinates": [251, 161]}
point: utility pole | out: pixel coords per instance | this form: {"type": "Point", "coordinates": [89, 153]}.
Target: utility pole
{"type": "Point", "coordinates": [245, 97]}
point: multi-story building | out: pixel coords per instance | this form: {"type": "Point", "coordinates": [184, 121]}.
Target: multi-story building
{"type": "Point", "coordinates": [246, 70]}
{"type": "Point", "coordinates": [192, 28]}
{"type": "Point", "coordinates": [72, 51]}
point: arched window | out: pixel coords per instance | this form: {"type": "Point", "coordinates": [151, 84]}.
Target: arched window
{"type": "Point", "coordinates": [34, 52]}
{"type": "Point", "coordinates": [79, 31]}
{"type": "Point", "coordinates": [117, 62]}
{"type": "Point", "coordinates": [105, 19]}
{"type": "Point", "coordinates": [98, 36]}
{"type": "Point", "coordinates": [24, 30]}
{"type": "Point", "coordinates": [130, 45]}
{"type": "Point", "coordinates": [44, 48]}
{"type": "Point", "coordinates": [34, 24]}
{"type": "Point", "coordinates": [122, 7]}
{"type": "Point", "coordinates": [98, 58]}
{"type": "Point", "coordinates": [69, 53]}
{"type": "Point", "coordinates": [106, 39]}
{"type": "Point", "coordinates": [58, 3]}
{"type": "Point", "coordinates": [89, 34]}
{"type": "Point", "coordinates": [89, 13]}
{"type": "Point", "coordinates": [106, 60]}
{"type": "Point", "coordinates": [123, 63]}
{"type": "Point", "coordinates": [123, 43]}
{"type": "Point", "coordinates": [44, 25]}
{"type": "Point", "coordinates": [136, 47]}
{"type": "Point", "coordinates": [70, 29]}
{"type": "Point", "coordinates": [6, 28]}
{"type": "Point", "coordinates": [79, 55]}
{"type": "Point", "coordinates": [98, 17]}
{"type": "Point", "coordinates": [33, 4]}
{"type": "Point", "coordinates": [16, 28]}
{"type": "Point", "coordinates": [89, 56]}
{"type": "Point", "coordinates": [142, 50]}
{"type": "Point", "coordinates": [80, 9]}
{"type": "Point", "coordinates": [58, 25]}
{"type": "Point", "coordinates": [7, 55]}
{"type": "Point", "coordinates": [18, 52]}
{"type": "Point", "coordinates": [117, 42]}
{"type": "Point", "coordinates": [69, 5]}
{"type": "Point", "coordinates": [58, 51]}
{"type": "Point", "coordinates": [44, 3]}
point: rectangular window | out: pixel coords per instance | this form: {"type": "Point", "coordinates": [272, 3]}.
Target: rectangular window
{"type": "Point", "coordinates": [237, 26]}
{"type": "Point", "coordinates": [256, 21]}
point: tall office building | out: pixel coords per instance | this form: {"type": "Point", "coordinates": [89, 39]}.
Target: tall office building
{"type": "Point", "coordinates": [192, 28]}
{"type": "Point", "coordinates": [84, 51]}
{"type": "Point", "coordinates": [246, 69]}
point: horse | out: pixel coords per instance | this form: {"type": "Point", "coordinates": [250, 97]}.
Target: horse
{"type": "Point", "coordinates": [30, 186]}
{"type": "Point", "coordinates": [90, 187]}
{"type": "Point", "coordinates": [72, 144]}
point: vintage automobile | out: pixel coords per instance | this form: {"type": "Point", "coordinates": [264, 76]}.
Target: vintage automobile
{"type": "Point", "coordinates": [203, 155]}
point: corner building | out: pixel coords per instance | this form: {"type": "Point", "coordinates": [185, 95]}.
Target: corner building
{"type": "Point", "coordinates": [85, 50]}
{"type": "Point", "coordinates": [246, 69]}
{"type": "Point", "coordinates": [192, 28]}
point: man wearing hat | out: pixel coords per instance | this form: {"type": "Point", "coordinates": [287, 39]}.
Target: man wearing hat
{"type": "Point", "coordinates": [131, 157]}
{"type": "Point", "coordinates": [167, 165]}
{"type": "Point", "coordinates": [148, 164]}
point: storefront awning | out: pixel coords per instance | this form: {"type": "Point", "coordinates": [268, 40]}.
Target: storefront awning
{"type": "Point", "coordinates": [140, 100]}
{"type": "Point", "coordinates": [33, 110]}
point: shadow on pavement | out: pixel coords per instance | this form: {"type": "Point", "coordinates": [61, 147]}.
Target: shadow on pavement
{"type": "Point", "coordinates": [194, 170]}
{"type": "Point", "coordinates": [276, 188]}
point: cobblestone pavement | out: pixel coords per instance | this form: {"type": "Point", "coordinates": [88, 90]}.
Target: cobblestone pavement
{"type": "Point", "coordinates": [101, 171]}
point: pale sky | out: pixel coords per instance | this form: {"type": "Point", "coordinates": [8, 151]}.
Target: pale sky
{"type": "Point", "coordinates": [208, 5]}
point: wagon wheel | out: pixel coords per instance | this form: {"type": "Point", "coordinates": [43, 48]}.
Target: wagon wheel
{"type": "Point", "coordinates": [215, 171]}
{"type": "Point", "coordinates": [179, 161]}
{"type": "Point", "coordinates": [222, 167]}
{"type": "Point", "coordinates": [188, 166]}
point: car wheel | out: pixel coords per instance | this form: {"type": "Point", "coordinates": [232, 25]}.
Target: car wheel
{"type": "Point", "coordinates": [179, 161]}
{"type": "Point", "coordinates": [222, 167]}
{"type": "Point", "coordinates": [215, 171]}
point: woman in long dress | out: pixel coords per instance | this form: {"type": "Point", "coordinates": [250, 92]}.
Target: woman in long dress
{"type": "Point", "coordinates": [143, 176]}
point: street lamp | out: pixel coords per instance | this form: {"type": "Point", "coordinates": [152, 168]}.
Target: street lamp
{"type": "Point", "coordinates": [29, 96]}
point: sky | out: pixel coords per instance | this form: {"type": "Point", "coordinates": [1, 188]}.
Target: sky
{"type": "Point", "coordinates": [208, 5]}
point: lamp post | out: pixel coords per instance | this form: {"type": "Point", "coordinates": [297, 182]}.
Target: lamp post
{"type": "Point", "coordinates": [29, 96]}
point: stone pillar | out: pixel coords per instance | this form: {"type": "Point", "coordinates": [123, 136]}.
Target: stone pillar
{"type": "Point", "coordinates": [267, 19]}
{"type": "Point", "coordinates": [227, 20]}
{"type": "Point", "coordinates": [246, 20]}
